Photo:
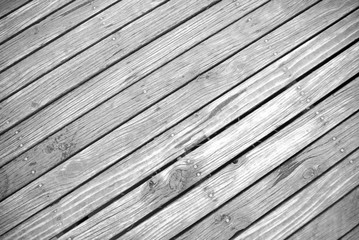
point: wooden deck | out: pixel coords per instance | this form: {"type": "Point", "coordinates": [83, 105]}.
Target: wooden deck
{"type": "Point", "coordinates": [179, 119]}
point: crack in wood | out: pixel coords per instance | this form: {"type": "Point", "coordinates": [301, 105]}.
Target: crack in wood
{"type": "Point", "coordinates": [213, 113]}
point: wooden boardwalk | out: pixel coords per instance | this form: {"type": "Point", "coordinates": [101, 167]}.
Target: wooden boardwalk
{"type": "Point", "coordinates": [179, 119]}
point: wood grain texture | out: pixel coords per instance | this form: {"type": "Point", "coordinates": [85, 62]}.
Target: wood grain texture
{"type": "Point", "coordinates": [131, 101]}
{"type": "Point", "coordinates": [181, 175]}
{"type": "Point", "coordinates": [56, 25]}
{"type": "Point", "coordinates": [68, 211]}
{"type": "Point", "coordinates": [335, 221]}
{"type": "Point", "coordinates": [233, 178]}
{"type": "Point", "coordinates": [26, 15]}
{"type": "Point", "coordinates": [43, 119]}
{"type": "Point", "coordinates": [79, 39]}
{"type": "Point", "coordinates": [125, 73]}
{"type": "Point", "coordinates": [89, 127]}
{"type": "Point", "coordinates": [7, 6]}
{"type": "Point", "coordinates": [145, 161]}
{"type": "Point", "coordinates": [308, 203]}
{"type": "Point", "coordinates": [296, 173]}
{"type": "Point", "coordinates": [352, 235]}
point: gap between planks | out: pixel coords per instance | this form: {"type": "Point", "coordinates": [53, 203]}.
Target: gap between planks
{"type": "Point", "coordinates": [208, 157]}
{"type": "Point", "coordinates": [335, 221]}
{"type": "Point", "coordinates": [309, 164]}
{"type": "Point", "coordinates": [308, 203]}
{"type": "Point", "coordinates": [16, 180]}
{"type": "Point", "coordinates": [83, 132]}
{"type": "Point", "coordinates": [28, 14]}
{"type": "Point", "coordinates": [8, 6]}
{"type": "Point", "coordinates": [65, 20]}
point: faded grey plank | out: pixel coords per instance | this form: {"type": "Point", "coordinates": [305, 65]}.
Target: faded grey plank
{"type": "Point", "coordinates": [89, 93]}
{"type": "Point", "coordinates": [145, 161]}
{"type": "Point", "coordinates": [66, 18]}
{"type": "Point", "coordinates": [110, 50]}
{"type": "Point", "coordinates": [232, 179]}
{"type": "Point", "coordinates": [308, 203]}
{"type": "Point", "coordinates": [7, 6]}
{"type": "Point", "coordinates": [337, 220]}
{"type": "Point", "coordinates": [84, 131]}
{"type": "Point", "coordinates": [295, 174]}
{"type": "Point", "coordinates": [119, 109]}
{"type": "Point", "coordinates": [27, 15]}
{"type": "Point", "coordinates": [352, 235]}
{"type": "Point", "coordinates": [73, 166]}
{"type": "Point", "coordinates": [182, 174]}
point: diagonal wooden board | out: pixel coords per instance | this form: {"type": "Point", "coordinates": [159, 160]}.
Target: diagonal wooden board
{"type": "Point", "coordinates": [352, 235]}
{"type": "Point", "coordinates": [51, 215]}
{"type": "Point", "coordinates": [47, 154]}
{"type": "Point", "coordinates": [293, 175]}
{"type": "Point", "coordinates": [308, 203]}
{"type": "Point", "coordinates": [119, 109]}
{"type": "Point", "coordinates": [208, 157]}
{"type": "Point", "coordinates": [8, 6]}
{"type": "Point", "coordinates": [27, 15]}
{"type": "Point", "coordinates": [81, 135]}
{"type": "Point", "coordinates": [335, 221]}
{"type": "Point", "coordinates": [62, 183]}
{"type": "Point", "coordinates": [57, 148]}
{"type": "Point", "coordinates": [112, 49]}
{"type": "Point", "coordinates": [66, 18]}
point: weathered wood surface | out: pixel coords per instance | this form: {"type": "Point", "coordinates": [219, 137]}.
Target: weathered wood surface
{"type": "Point", "coordinates": [27, 15]}
{"type": "Point", "coordinates": [87, 129]}
{"type": "Point", "coordinates": [290, 177]}
{"type": "Point", "coordinates": [118, 45]}
{"type": "Point", "coordinates": [118, 176]}
{"type": "Point", "coordinates": [63, 21]}
{"type": "Point", "coordinates": [59, 174]}
{"type": "Point", "coordinates": [335, 221]}
{"type": "Point", "coordinates": [105, 26]}
{"type": "Point", "coordinates": [7, 6]}
{"type": "Point", "coordinates": [177, 110]}
{"type": "Point", "coordinates": [112, 49]}
{"type": "Point", "coordinates": [352, 235]}
{"type": "Point", "coordinates": [305, 205]}
{"type": "Point", "coordinates": [122, 107]}
{"type": "Point", "coordinates": [230, 180]}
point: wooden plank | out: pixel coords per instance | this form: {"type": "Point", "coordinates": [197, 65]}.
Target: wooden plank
{"type": "Point", "coordinates": [112, 49]}
{"type": "Point", "coordinates": [67, 18]}
{"type": "Point", "coordinates": [46, 59]}
{"type": "Point", "coordinates": [7, 6]}
{"type": "Point", "coordinates": [336, 221]}
{"type": "Point", "coordinates": [305, 205]}
{"type": "Point", "coordinates": [352, 235]}
{"type": "Point", "coordinates": [32, 134]}
{"type": "Point", "coordinates": [164, 186]}
{"type": "Point", "coordinates": [27, 15]}
{"type": "Point", "coordinates": [67, 207]}
{"type": "Point", "coordinates": [61, 145]}
{"type": "Point", "coordinates": [122, 107]}
{"type": "Point", "coordinates": [120, 151]}
{"type": "Point", "coordinates": [232, 179]}
{"type": "Point", "coordinates": [250, 205]}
